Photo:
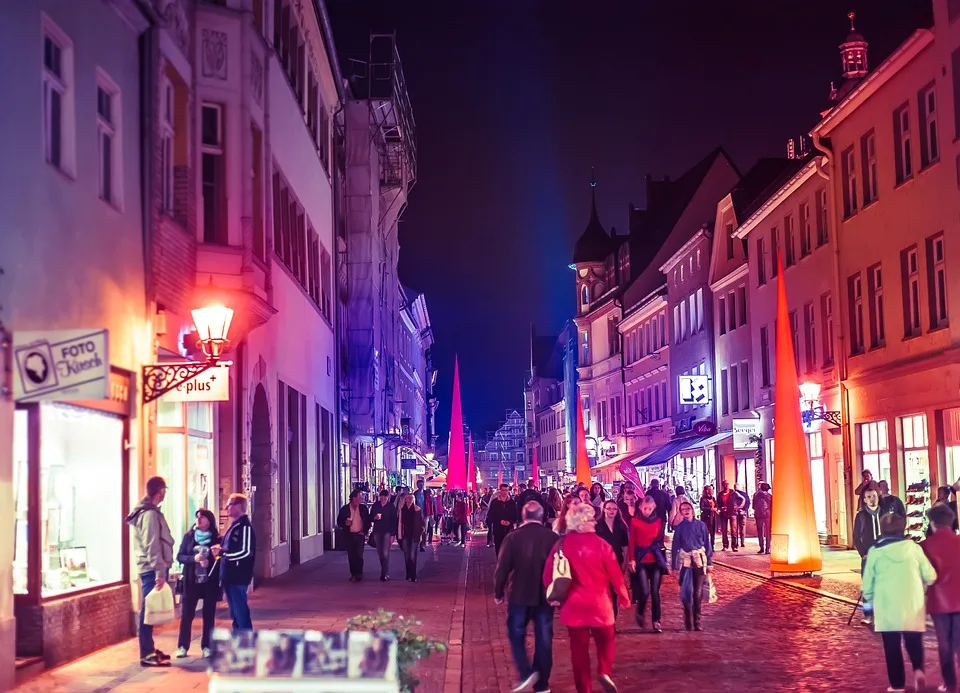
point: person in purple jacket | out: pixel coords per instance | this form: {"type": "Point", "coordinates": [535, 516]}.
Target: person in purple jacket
{"type": "Point", "coordinates": [692, 555]}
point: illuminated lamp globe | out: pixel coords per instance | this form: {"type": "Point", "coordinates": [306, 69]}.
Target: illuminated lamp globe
{"type": "Point", "coordinates": [429, 457]}
{"type": "Point", "coordinates": [810, 392]}
{"type": "Point", "coordinates": [213, 325]}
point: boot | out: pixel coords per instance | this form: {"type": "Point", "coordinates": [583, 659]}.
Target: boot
{"type": "Point", "coordinates": [687, 619]}
{"type": "Point", "coordinates": [698, 623]}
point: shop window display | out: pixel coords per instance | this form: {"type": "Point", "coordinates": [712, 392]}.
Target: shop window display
{"type": "Point", "coordinates": [916, 467]}
{"type": "Point", "coordinates": [81, 499]}
{"type": "Point", "coordinates": [21, 500]}
{"type": "Point", "coordinates": [875, 445]}
{"type": "Point", "coordinates": [818, 479]}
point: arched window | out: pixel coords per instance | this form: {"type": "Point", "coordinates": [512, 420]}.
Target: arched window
{"type": "Point", "coordinates": [584, 294]}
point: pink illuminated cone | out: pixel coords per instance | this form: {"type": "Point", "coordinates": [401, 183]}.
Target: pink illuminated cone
{"type": "Point", "coordinates": [535, 472]}
{"type": "Point", "coordinates": [499, 476]}
{"type": "Point", "coordinates": [456, 462]}
{"type": "Point", "coordinates": [471, 467]}
{"type": "Point", "coordinates": [514, 478]}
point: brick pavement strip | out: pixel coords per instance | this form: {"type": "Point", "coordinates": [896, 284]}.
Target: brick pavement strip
{"type": "Point", "coordinates": [316, 596]}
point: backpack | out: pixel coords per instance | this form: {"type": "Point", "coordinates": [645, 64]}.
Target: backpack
{"type": "Point", "coordinates": [561, 583]}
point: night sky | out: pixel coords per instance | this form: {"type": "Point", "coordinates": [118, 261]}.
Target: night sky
{"type": "Point", "coordinates": [516, 100]}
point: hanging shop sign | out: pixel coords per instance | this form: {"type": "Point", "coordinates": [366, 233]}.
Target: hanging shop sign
{"type": "Point", "coordinates": [61, 365]}
{"type": "Point", "coordinates": [408, 461]}
{"type": "Point", "coordinates": [745, 434]}
{"type": "Point", "coordinates": [694, 389]}
{"type": "Point", "coordinates": [212, 385]}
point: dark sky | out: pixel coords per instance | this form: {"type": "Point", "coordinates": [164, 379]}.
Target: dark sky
{"type": "Point", "coordinates": [516, 100]}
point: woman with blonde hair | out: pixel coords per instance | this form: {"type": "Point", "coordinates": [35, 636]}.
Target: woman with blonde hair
{"type": "Point", "coordinates": [560, 524]}
{"type": "Point", "coordinates": [588, 610]}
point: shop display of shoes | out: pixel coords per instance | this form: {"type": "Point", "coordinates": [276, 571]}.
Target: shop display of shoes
{"type": "Point", "coordinates": [919, 486]}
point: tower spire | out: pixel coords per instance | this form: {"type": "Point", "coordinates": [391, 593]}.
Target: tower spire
{"type": "Point", "coordinates": [853, 52]}
{"type": "Point", "coordinates": [851, 16]}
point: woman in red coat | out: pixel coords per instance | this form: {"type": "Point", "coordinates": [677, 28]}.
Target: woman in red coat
{"type": "Point", "coordinates": [588, 609]}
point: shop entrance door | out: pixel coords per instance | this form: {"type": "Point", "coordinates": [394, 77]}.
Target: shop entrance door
{"type": "Point", "coordinates": [818, 481]}
{"type": "Point", "coordinates": [297, 480]}
{"type": "Point", "coordinates": [261, 501]}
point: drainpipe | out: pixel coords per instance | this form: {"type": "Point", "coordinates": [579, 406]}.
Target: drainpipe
{"type": "Point", "coordinates": [840, 348]}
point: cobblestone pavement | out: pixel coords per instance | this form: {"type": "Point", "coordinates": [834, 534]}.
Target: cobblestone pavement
{"type": "Point", "coordinates": [315, 596]}
{"type": "Point", "coordinates": [760, 636]}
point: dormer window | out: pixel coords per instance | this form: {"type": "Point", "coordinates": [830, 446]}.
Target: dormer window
{"type": "Point", "coordinates": [585, 294]}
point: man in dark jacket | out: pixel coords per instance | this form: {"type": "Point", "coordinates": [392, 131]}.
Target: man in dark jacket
{"type": "Point", "coordinates": [890, 503]}
{"type": "Point", "coordinates": [237, 553]}
{"type": "Point", "coordinates": [384, 516]}
{"type": "Point", "coordinates": [523, 555]}
{"type": "Point", "coordinates": [354, 520]}
{"type": "Point", "coordinates": [662, 499]}
{"type": "Point", "coordinates": [762, 511]}
{"type": "Point", "coordinates": [866, 531]}
{"type": "Point", "coordinates": [501, 516]}
{"type": "Point", "coordinates": [530, 494]}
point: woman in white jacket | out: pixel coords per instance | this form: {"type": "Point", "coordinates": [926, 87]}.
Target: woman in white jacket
{"type": "Point", "coordinates": [895, 579]}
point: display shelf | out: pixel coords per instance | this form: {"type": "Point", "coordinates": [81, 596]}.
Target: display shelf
{"type": "Point", "coordinates": [917, 502]}
{"type": "Point", "coordinates": [237, 684]}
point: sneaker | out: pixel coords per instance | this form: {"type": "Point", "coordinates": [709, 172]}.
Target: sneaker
{"type": "Point", "coordinates": [526, 684]}
{"type": "Point", "coordinates": [920, 679]}
{"type": "Point", "coordinates": [162, 655]}
{"type": "Point", "coordinates": [657, 628]}
{"type": "Point", "coordinates": [207, 653]}
{"type": "Point", "coordinates": [942, 689]}
{"type": "Point", "coordinates": [607, 684]}
{"type": "Point", "coordinates": [151, 660]}
{"type": "Point", "coordinates": [181, 652]}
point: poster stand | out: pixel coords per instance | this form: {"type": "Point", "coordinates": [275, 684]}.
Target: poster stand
{"type": "Point", "coordinates": [238, 684]}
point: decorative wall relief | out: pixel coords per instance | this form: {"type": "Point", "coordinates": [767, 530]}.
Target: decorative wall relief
{"type": "Point", "coordinates": [256, 79]}
{"type": "Point", "coordinates": [176, 20]}
{"type": "Point", "coordinates": [214, 54]}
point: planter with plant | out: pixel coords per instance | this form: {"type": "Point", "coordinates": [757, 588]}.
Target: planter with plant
{"type": "Point", "coordinates": [412, 646]}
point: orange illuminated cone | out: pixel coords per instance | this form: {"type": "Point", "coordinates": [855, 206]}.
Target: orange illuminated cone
{"type": "Point", "coordinates": [456, 464]}
{"type": "Point", "coordinates": [583, 460]}
{"type": "Point", "coordinates": [794, 545]}
{"type": "Point", "coordinates": [471, 468]}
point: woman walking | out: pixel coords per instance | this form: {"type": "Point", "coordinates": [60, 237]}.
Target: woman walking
{"type": "Point", "coordinates": [587, 610]}
{"type": "Point", "coordinates": [613, 530]}
{"type": "Point", "coordinates": [560, 524]}
{"type": "Point", "coordinates": [629, 505]}
{"type": "Point", "coordinates": [692, 555]}
{"type": "Point", "coordinates": [895, 578]}
{"type": "Point", "coordinates": [201, 580]}
{"type": "Point", "coordinates": [409, 530]}
{"type": "Point", "coordinates": [648, 563]}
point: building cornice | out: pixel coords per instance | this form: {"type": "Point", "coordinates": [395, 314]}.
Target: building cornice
{"type": "Point", "coordinates": [899, 59]}
{"type": "Point", "coordinates": [772, 202]}
{"type": "Point", "coordinates": [726, 280]}
{"type": "Point", "coordinates": [686, 247]}
{"type": "Point", "coordinates": [647, 305]}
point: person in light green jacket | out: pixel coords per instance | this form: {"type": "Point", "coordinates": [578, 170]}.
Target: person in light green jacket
{"type": "Point", "coordinates": [895, 579]}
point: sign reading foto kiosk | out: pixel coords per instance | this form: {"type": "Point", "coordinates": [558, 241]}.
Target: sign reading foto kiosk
{"type": "Point", "coordinates": [213, 385]}
{"type": "Point", "coordinates": [61, 365]}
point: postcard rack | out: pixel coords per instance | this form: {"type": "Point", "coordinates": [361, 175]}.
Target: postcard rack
{"type": "Point", "coordinates": [241, 684]}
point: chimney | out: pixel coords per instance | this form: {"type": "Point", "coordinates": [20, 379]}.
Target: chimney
{"type": "Point", "coordinates": [791, 149]}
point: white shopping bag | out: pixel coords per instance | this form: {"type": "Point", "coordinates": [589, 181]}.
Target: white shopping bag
{"type": "Point", "coordinates": [158, 606]}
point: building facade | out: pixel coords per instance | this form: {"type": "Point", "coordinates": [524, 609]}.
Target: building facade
{"type": "Point", "coordinates": [545, 408]}
{"type": "Point", "coordinates": [415, 386]}
{"type": "Point", "coordinates": [504, 453]}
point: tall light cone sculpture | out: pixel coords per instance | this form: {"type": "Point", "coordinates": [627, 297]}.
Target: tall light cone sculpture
{"type": "Point", "coordinates": [499, 476]}
{"type": "Point", "coordinates": [794, 545]}
{"type": "Point", "coordinates": [514, 478]}
{"type": "Point", "coordinates": [456, 462]}
{"type": "Point", "coordinates": [535, 472]}
{"type": "Point", "coordinates": [583, 460]}
{"type": "Point", "coordinates": [471, 468]}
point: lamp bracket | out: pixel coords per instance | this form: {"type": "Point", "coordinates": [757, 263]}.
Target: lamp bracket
{"type": "Point", "coordinates": [819, 413]}
{"type": "Point", "coordinates": [159, 379]}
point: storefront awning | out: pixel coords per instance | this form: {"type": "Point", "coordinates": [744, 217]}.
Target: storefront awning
{"type": "Point", "coordinates": [701, 443]}
{"type": "Point", "coordinates": [668, 451]}
{"type": "Point", "coordinates": [616, 460]}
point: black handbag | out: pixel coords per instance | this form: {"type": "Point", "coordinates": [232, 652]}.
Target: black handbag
{"type": "Point", "coordinates": [371, 541]}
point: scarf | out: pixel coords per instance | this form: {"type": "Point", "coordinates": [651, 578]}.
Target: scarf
{"type": "Point", "coordinates": [874, 516]}
{"type": "Point", "coordinates": [203, 538]}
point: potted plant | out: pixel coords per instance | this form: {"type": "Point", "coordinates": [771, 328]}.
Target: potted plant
{"type": "Point", "coordinates": [412, 646]}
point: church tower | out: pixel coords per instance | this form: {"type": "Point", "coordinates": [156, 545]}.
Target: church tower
{"type": "Point", "coordinates": [853, 62]}
{"type": "Point", "coordinates": [590, 257]}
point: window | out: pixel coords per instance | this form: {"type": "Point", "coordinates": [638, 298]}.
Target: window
{"type": "Point", "coordinates": [662, 319]}
{"type": "Point", "coordinates": [809, 337]}
{"type": "Point", "coordinates": [259, 233]}
{"type": "Point", "coordinates": [313, 265]}
{"type": "Point", "coordinates": [167, 134]}
{"type": "Point", "coordinates": [806, 230]}
{"type": "Point", "coordinates": [911, 291]}
{"type": "Point", "coordinates": [683, 320]}
{"type": "Point", "coordinates": [823, 211]}
{"type": "Point", "coordinates": [722, 314]}
{"type": "Point", "coordinates": [729, 237]}
{"type": "Point", "coordinates": [613, 336]}
{"type": "Point", "coordinates": [929, 136]}
{"type": "Point", "coordinates": [875, 288]}
{"type": "Point", "coordinates": [731, 311]}
{"type": "Point", "coordinates": [694, 318]}
{"type": "Point", "coordinates": [855, 289]}
{"type": "Point", "coordinates": [795, 337]}
{"type": "Point", "coordinates": [901, 140]}
{"type": "Point", "coordinates": [761, 262]}
{"type": "Point", "coordinates": [937, 282]}
{"type": "Point", "coordinates": [676, 324]}
{"type": "Point", "coordinates": [774, 252]}
{"type": "Point", "coordinates": [108, 146]}
{"type": "Point", "coordinates": [788, 240]}
{"type": "Point", "coordinates": [742, 306]}
{"type": "Point", "coordinates": [663, 398]}
{"type": "Point", "coordinates": [745, 384]}
{"type": "Point", "coordinates": [955, 71]}
{"type": "Point", "coordinates": [584, 295]}
{"type": "Point", "coordinates": [585, 350]}
{"type": "Point", "coordinates": [875, 449]}
{"type": "Point", "coordinates": [868, 155]}
{"type": "Point", "coordinates": [724, 401]}
{"type": "Point", "coordinates": [699, 309]}
{"type": "Point", "coordinates": [826, 310]}
{"type": "Point", "coordinates": [953, 9]}
{"type": "Point", "coordinates": [57, 97]}
{"type": "Point", "coordinates": [764, 356]}
{"type": "Point", "coordinates": [849, 172]}
{"type": "Point", "coordinates": [734, 388]}
{"type": "Point", "coordinates": [213, 175]}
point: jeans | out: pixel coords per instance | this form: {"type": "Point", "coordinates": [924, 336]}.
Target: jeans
{"type": "Point", "coordinates": [763, 533]}
{"type": "Point", "coordinates": [948, 644]}
{"type": "Point", "coordinates": [498, 538]}
{"type": "Point", "coordinates": [648, 581]}
{"type": "Point", "coordinates": [410, 547]}
{"type": "Point", "coordinates": [699, 578]}
{"type": "Point", "coordinates": [741, 529]}
{"type": "Point", "coordinates": [430, 528]}
{"type": "Point", "coordinates": [188, 609]}
{"type": "Point", "coordinates": [891, 652]}
{"type": "Point", "coordinates": [517, 619]}
{"type": "Point", "coordinates": [603, 636]}
{"type": "Point", "coordinates": [383, 542]}
{"type": "Point", "coordinates": [355, 542]}
{"type": "Point", "coordinates": [711, 522]}
{"type": "Point", "coordinates": [145, 633]}
{"type": "Point", "coordinates": [237, 603]}
{"type": "Point", "coordinates": [460, 533]}
{"type": "Point", "coordinates": [728, 528]}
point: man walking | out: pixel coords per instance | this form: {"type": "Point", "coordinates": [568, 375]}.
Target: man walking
{"type": "Point", "coordinates": [762, 507]}
{"type": "Point", "coordinates": [501, 516]}
{"type": "Point", "coordinates": [420, 499]}
{"type": "Point", "coordinates": [523, 556]}
{"type": "Point", "coordinates": [237, 553]}
{"type": "Point", "coordinates": [153, 549]}
{"type": "Point", "coordinates": [384, 529]}
{"type": "Point", "coordinates": [728, 501]}
{"type": "Point", "coordinates": [354, 519]}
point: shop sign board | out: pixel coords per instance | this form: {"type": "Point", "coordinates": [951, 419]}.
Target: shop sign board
{"type": "Point", "coordinates": [408, 461]}
{"type": "Point", "coordinates": [61, 365]}
{"type": "Point", "coordinates": [212, 385]}
{"type": "Point", "coordinates": [743, 431]}
{"type": "Point", "coordinates": [694, 389]}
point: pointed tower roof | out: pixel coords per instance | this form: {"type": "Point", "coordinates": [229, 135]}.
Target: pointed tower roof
{"type": "Point", "coordinates": [595, 243]}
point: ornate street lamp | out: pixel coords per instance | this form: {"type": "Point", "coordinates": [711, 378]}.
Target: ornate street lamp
{"type": "Point", "coordinates": [213, 326]}
{"type": "Point", "coordinates": [812, 410]}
